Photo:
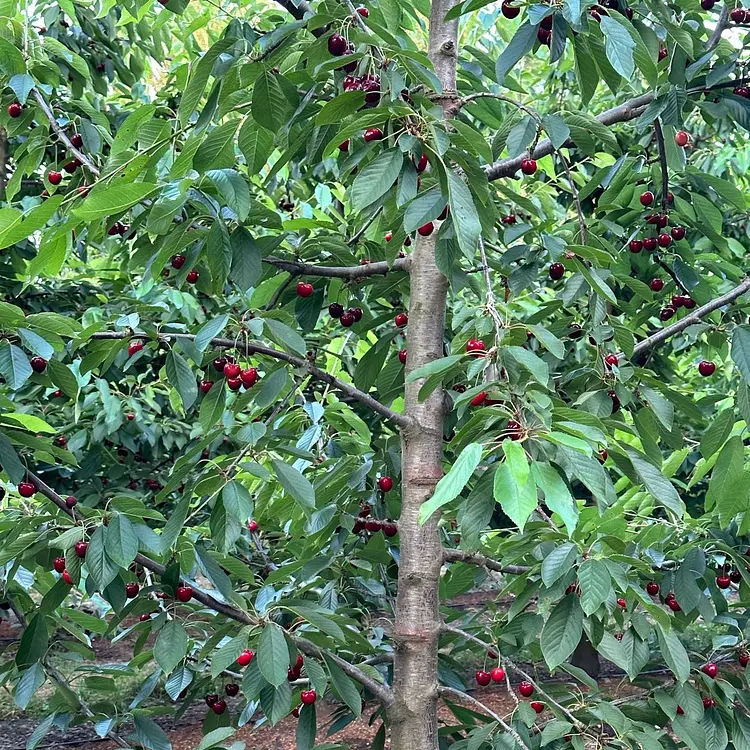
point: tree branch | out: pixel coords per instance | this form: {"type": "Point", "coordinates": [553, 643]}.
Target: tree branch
{"type": "Point", "coordinates": [62, 135]}
{"type": "Point", "coordinates": [297, 10]}
{"type": "Point", "coordinates": [300, 268]}
{"type": "Point", "coordinates": [721, 25]}
{"type": "Point", "coordinates": [59, 678]}
{"type": "Point", "coordinates": [694, 317]}
{"type": "Point", "coordinates": [233, 613]}
{"type": "Point", "coordinates": [467, 699]}
{"type": "Point", "coordinates": [457, 555]}
{"type": "Point", "coordinates": [400, 419]}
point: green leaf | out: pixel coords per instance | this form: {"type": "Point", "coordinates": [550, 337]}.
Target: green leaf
{"type": "Point", "coordinates": [212, 406]}
{"type": "Point", "coordinates": [171, 645]}
{"type": "Point", "coordinates": [520, 45]}
{"type": "Point", "coordinates": [306, 728]}
{"type": "Point", "coordinates": [334, 111]}
{"type": "Point", "coordinates": [463, 214]}
{"type": "Point", "coordinates": [181, 377]}
{"type": "Point", "coordinates": [29, 422]}
{"type": "Point", "coordinates": [596, 585]}
{"type": "Point", "coordinates": [31, 680]}
{"type": "Point", "coordinates": [233, 189]}
{"type": "Point", "coordinates": [717, 432]}
{"type": "Point", "coordinates": [534, 365]}
{"type": "Point", "coordinates": [295, 484]}
{"type": "Point", "coordinates": [216, 737]}
{"type": "Point", "coordinates": [269, 105]}
{"type": "Point", "coordinates": [193, 92]}
{"type": "Point", "coordinates": [557, 496]}
{"type": "Point", "coordinates": [33, 643]}
{"type": "Point", "coordinates": [549, 341]}
{"type": "Point", "coordinates": [210, 330]}
{"type": "Point", "coordinates": [423, 208]}
{"type": "Point", "coordinates": [14, 365]}
{"type": "Point", "coordinates": [285, 336]}
{"type": "Point", "coordinates": [558, 562]}
{"type": "Point", "coordinates": [237, 501]}
{"type": "Point", "coordinates": [122, 541]}
{"type": "Point", "coordinates": [619, 46]}
{"type": "Point", "coordinates": [227, 655]}
{"type": "Point", "coordinates": [113, 200]}
{"type": "Point", "coordinates": [273, 655]}
{"type": "Point", "coordinates": [256, 144]}
{"type": "Point", "coordinates": [102, 569]}
{"type": "Point", "coordinates": [246, 259]}
{"type": "Point", "coordinates": [217, 151]}
{"type": "Point", "coordinates": [450, 486]}
{"type": "Point", "coordinates": [376, 179]}
{"type": "Point", "coordinates": [517, 501]}
{"type": "Point", "coordinates": [344, 686]}
{"type": "Point", "coordinates": [149, 734]}
{"type": "Point", "coordinates": [10, 462]}
{"type": "Point", "coordinates": [127, 132]}
{"type": "Point", "coordinates": [674, 652]}
{"type": "Point", "coordinates": [658, 486]}
{"type": "Point", "coordinates": [741, 351]}
{"type": "Point", "coordinates": [562, 631]}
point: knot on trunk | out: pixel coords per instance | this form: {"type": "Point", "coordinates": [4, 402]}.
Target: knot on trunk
{"type": "Point", "coordinates": [448, 47]}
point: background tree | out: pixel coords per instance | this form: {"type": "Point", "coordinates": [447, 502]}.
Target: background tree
{"type": "Point", "coordinates": [316, 316]}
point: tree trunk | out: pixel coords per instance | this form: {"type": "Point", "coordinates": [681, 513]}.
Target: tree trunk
{"type": "Point", "coordinates": [413, 715]}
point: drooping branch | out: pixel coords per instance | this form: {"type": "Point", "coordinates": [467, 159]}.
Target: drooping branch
{"type": "Point", "coordinates": [460, 697]}
{"type": "Point", "coordinates": [300, 268]}
{"type": "Point", "coordinates": [62, 135]}
{"type": "Point", "coordinates": [690, 319]}
{"type": "Point", "coordinates": [382, 692]}
{"type": "Point", "coordinates": [56, 676]}
{"type": "Point", "coordinates": [219, 343]}
{"type": "Point", "coordinates": [457, 555]}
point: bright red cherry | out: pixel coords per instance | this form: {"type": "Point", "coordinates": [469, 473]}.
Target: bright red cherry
{"type": "Point", "coordinates": [475, 347]}
{"type": "Point", "coordinates": [611, 359]}
{"type": "Point", "coordinates": [347, 319]}
{"type": "Point", "coordinates": [232, 689]}
{"type": "Point", "coordinates": [744, 658]}
{"type": "Point", "coordinates": [304, 289]}
{"type": "Point", "coordinates": [650, 243]}
{"type": "Point", "coordinates": [674, 605]}
{"type": "Point", "coordinates": [682, 138]}
{"type": "Point", "coordinates": [708, 702]}
{"type": "Point", "coordinates": [55, 178]}
{"type": "Point", "coordinates": [556, 271]}
{"type": "Point", "coordinates": [497, 674]}
{"type": "Point", "coordinates": [390, 529]}
{"type": "Point", "coordinates": [738, 15]}
{"type": "Point", "coordinates": [26, 489]}
{"type": "Point", "coordinates": [372, 134]}
{"type": "Point", "coordinates": [71, 166]}
{"type": "Point", "coordinates": [537, 706]}
{"type": "Point", "coordinates": [402, 356]}
{"type": "Point", "coordinates": [249, 377]}
{"type": "Point", "coordinates": [308, 697]}
{"type": "Point", "coordinates": [184, 593]}
{"type": "Point", "coordinates": [635, 246]}
{"type": "Point", "coordinates": [723, 582]}
{"type": "Point", "coordinates": [656, 285]}
{"type": "Point", "coordinates": [483, 678]}
{"type": "Point", "coordinates": [211, 698]}
{"type": "Point", "coordinates": [59, 564]}
{"type": "Point", "coordinates": [81, 548]}
{"type": "Point", "coordinates": [678, 233]}
{"type": "Point", "coordinates": [134, 347]}
{"type": "Point", "coordinates": [344, 146]}
{"type": "Point", "coordinates": [131, 590]}
{"type": "Point", "coordinates": [706, 368]}
{"type": "Point", "coordinates": [688, 302]}
{"type": "Point", "coordinates": [526, 689]}
{"type": "Point", "coordinates": [192, 276]}
{"type": "Point", "coordinates": [15, 109]}
{"type": "Point", "coordinates": [710, 669]}
{"type": "Point", "coordinates": [528, 166]}
{"type": "Point", "coordinates": [664, 240]}
{"type": "Point", "coordinates": [76, 140]}
{"type": "Point", "coordinates": [426, 229]}
{"type": "Point", "coordinates": [356, 313]}
{"type": "Point", "coordinates": [385, 484]}
{"type": "Point", "coordinates": [232, 370]}
{"type": "Point", "coordinates": [252, 525]}
{"type": "Point", "coordinates": [145, 617]}
{"type": "Point", "coordinates": [206, 386]}
{"type": "Point", "coordinates": [479, 399]}
{"type": "Point", "coordinates": [663, 53]}
{"type": "Point", "coordinates": [401, 320]}
{"type": "Point", "coordinates": [219, 707]}
{"type": "Point", "coordinates": [647, 198]}
{"type": "Point", "coordinates": [67, 578]}
{"type": "Point", "coordinates": [364, 12]}
{"type": "Point", "coordinates": [707, 4]}
{"type": "Point", "coordinates": [38, 364]}
{"type": "Point", "coordinates": [508, 10]}
{"type": "Point", "coordinates": [622, 603]}
{"type": "Point", "coordinates": [335, 310]}
{"type": "Point", "coordinates": [422, 163]}
{"type": "Point", "coordinates": [245, 657]}
{"type": "Point", "coordinates": [178, 261]}
{"type": "Point", "coordinates": [220, 363]}
{"type": "Point", "coordinates": [652, 587]}
{"type": "Point", "coordinates": [337, 45]}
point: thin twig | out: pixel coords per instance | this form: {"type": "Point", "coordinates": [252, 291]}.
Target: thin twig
{"type": "Point", "coordinates": [672, 275]}
{"type": "Point", "coordinates": [490, 296]}
{"type": "Point", "coordinates": [465, 698]}
{"type": "Point", "coordinates": [457, 555]}
{"type": "Point", "coordinates": [574, 189]}
{"type": "Point", "coordinates": [62, 135]}
{"type": "Point", "coordinates": [300, 268]}
{"type": "Point", "coordinates": [279, 291]}
{"type": "Point", "coordinates": [355, 238]}
{"type": "Point", "coordinates": [219, 343]}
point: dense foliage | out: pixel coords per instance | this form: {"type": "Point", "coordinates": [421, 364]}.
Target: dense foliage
{"type": "Point", "coordinates": [207, 230]}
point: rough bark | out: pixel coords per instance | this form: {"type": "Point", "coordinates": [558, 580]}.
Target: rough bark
{"type": "Point", "coordinates": [416, 632]}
